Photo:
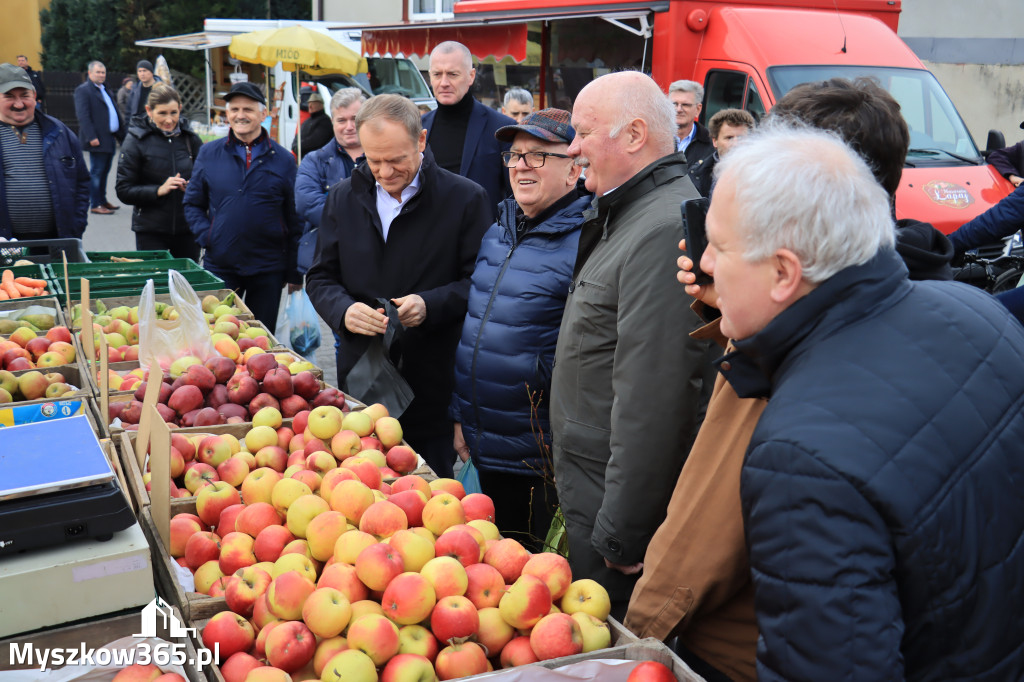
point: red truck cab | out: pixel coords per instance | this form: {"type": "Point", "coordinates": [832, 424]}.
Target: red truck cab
{"type": "Point", "coordinates": [749, 54]}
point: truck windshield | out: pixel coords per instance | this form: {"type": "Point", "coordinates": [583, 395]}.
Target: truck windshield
{"type": "Point", "coordinates": [386, 76]}
{"type": "Point", "coordinates": [938, 136]}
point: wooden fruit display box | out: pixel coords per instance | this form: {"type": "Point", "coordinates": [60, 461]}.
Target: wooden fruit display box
{"type": "Point", "coordinates": [74, 375]}
{"type": "Point", "coordinates": [649, 649]}
{"type": "Point", "coordinates": [98, 633]}
{"type": "Point", "coordinates": [100, 301]}
{"type": "Point", "coordinates": [133, 464]}
{"type": "Point", "coordinates": [625, 646]}
{"type": "Point", "coordinates": [47, 305]}
{"type": "Point", "coordinates": [194, 606]}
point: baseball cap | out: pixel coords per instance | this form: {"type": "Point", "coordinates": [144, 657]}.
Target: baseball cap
{"type": "Point", "coordinates": [315, 97]}
{"type": "Point", "coordinates": [12, 77]}
{"type": "Point", "coordinates": [547, 124]}
{"type": "Point", "coordinates": [246, 89]}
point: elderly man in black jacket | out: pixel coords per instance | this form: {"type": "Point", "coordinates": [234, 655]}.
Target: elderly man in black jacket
{"type": "Point", "coordinates": [402, 229]}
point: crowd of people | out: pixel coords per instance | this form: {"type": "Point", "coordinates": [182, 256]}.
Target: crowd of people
{"type": "Point", "coordinates": [804, 467]}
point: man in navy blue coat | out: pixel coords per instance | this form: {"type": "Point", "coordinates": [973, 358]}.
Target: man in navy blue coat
{"type": "Point", "coordinates": [881, 488]}
{"type": "Point", "coordinates": [100, 128]}
{"type": "Point", "coordinates": [240, 205]}
{"type": "Point", "coordinates": [460, 132]}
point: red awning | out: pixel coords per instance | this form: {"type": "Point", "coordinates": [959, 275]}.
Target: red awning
{"type": "Point", "coordinates": [498, 40]}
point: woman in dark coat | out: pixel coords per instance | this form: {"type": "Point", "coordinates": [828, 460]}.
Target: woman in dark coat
{"type": "Point", "coordinates": [154, 169]}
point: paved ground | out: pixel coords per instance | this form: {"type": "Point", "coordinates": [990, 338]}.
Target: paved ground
{"type": "Point", "coordinates": [114, 233]}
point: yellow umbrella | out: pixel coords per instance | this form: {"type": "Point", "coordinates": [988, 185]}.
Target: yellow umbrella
{"type": "Point", "coordinates": [296, 47]}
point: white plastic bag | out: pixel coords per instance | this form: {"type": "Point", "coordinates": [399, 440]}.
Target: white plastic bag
{"type": "Point", "coordinates": [164, 341]}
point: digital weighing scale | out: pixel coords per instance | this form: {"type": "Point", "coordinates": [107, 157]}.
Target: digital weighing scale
{"type": "Point", "coordinates": [56, 486]}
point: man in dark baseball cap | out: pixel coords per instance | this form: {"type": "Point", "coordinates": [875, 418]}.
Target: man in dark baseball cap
{"type": "Point", "coordinates": [240, 205]}
{"type": "Point", "coordinates": [44, 182]}
{"type": "Point", "coordinates": [523, 270]}
{"type": "Point", "coordinates": [246, 89]}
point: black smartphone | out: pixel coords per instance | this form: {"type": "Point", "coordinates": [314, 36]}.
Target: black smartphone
{"type": "Point", "coordinates": [695, 212]}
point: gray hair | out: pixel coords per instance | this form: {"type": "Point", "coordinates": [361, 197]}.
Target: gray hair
{"type": "Point", "coordinates": [451, 46]}
{"type": "Point", "coordinates": [94, 63]}
{"type": "Point", "coordinates": [394, 108]}
{"type": "Point", "coordinates": [805, 190]}
{"type": "Point", "coordinates": [519, 95]}
{"type": "Point", "coordinates": [646, 101]}
{"type": "Point", "coordinates": [346, 97]}
{"type": "Point", "coordinates": [688, 86]}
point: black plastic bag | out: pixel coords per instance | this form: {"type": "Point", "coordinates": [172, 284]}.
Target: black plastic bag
{"type": "Point", "coordinates": [374, 378]}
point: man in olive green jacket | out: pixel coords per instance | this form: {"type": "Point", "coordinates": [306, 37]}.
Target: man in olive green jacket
{"type": "Point", "coordinates": [627, 383]}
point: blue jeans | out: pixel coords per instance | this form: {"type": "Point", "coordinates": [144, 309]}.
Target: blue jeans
{"type": "Point", "coordinates": [99, 169]}
{"type": "Point", "coordinates": [261, 292]}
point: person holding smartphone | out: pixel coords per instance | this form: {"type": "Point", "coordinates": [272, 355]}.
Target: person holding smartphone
{"type": "Point", "coordinates": [153, 171]}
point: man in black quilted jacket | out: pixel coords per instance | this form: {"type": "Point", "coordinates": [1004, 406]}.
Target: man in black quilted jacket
{"type": "Point", "coordinates": [881, 490]}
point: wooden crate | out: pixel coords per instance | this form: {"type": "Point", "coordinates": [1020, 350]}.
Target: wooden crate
{"type": "Point", "coordinates": [130, 457]}
{"type": "Point", "coordinates": [96, 633]}
{"type": "Point", "coordinates": [627, 648]}
{"type": "Point", "coordinates": [194, 606]}
{"type": "Point", "coordinates": [131, 301]}
{"type": "Point", "coordinates": [54, 305]}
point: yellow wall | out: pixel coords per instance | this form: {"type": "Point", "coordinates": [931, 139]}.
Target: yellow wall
{"type": "Point", "coordinates": [20, 32]}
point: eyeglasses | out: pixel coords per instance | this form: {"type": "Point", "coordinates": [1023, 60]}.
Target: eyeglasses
{"type": "Point", "coordinates": [532, 159]}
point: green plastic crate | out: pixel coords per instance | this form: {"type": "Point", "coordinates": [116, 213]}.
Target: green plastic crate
{"type": "Point", "coordinates": [106, 256]}
{"type": "Point", "coordinates": [36, 271]}
{"type": "Point", "coordinates": [111, 270]}
{"type": "Point", "coordinates": [129, 285]}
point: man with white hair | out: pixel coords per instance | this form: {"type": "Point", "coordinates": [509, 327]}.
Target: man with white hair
{"type": "Point", "coordinates": [881, 488]}
{"type": "Point", "coordinates": [627, 378]}
{"type": "Point", "coordinates": [517, 104]}
{"type": "Point", "coordinates": [692, 138]}
{"type": "Point", "coordinates": [240, 205]}
{"type": "Point", "coordinates": [460, 132]}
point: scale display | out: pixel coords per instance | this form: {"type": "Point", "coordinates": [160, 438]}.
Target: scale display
{"type": "Point", "coordinates": [50, 456]}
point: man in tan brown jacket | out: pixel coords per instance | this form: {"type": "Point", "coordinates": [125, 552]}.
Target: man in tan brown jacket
{"type": "Point", "coordinates": [696, 582]}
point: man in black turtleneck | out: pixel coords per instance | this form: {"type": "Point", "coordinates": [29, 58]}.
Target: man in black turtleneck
{"type": "Point", "coordinates": [461, 129]}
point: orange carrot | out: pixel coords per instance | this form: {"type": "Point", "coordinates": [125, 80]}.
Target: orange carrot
{"type": "Point", "coordinates": [3, 295]}
{"type": "Point", "coordinates": [39, 291]}
{"type": "Point", "coordinates": [7, 277]}
{"type": "Point", "coordinates": [29, 282]}
{"type": "Point", "coordinates": [9, 287]}
{"type": "Point", "coordinates": [23, 290]}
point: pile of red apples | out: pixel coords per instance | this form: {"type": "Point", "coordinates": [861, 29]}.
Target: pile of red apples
{"type": "Point", "coordinates": [341, 576]}
{"type": "Point", "coordinates": [368, 442]}
{"type": "Point", "coordinates": [218, 391]}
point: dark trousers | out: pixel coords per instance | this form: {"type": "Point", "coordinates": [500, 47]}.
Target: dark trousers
{"type": "Point", "coordinates": [437, 451]}
{"type": "Point", "coordinates": [523, 506]}
{"type": "Point", "coordinates": [180, 245]}
{"type": "Point", "coordinates": [99, 169]}
{"type": "Point", "coordinates": [261, 292]}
